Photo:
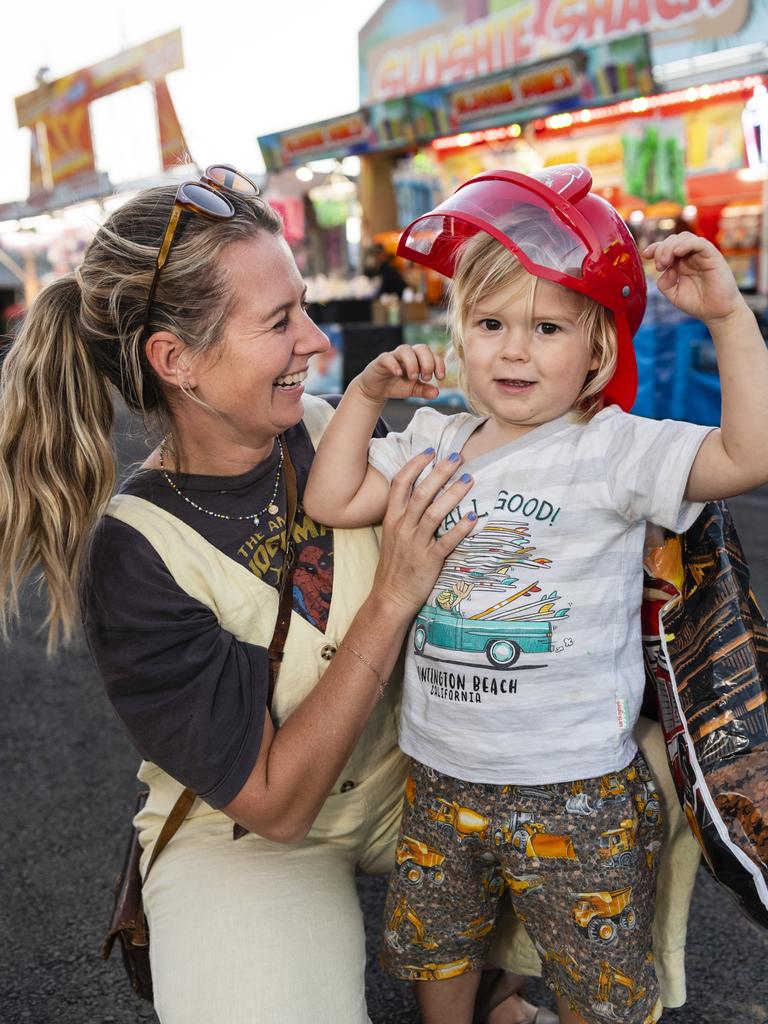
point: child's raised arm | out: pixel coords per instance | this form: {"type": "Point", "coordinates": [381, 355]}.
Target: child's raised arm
{"type": "Point", "coordinates": [697, 279]}
{"type": "Point", "coordinates": [343, 490]}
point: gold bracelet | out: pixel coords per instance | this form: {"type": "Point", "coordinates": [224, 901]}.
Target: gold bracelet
{"type": "Point", "coordinates": [382, 681]}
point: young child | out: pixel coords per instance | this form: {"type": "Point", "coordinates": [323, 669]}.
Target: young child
{"type": "Point", "coordinates": [524, 674]}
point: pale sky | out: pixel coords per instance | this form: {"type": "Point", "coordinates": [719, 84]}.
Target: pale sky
{"type": "Point", "coordinates": [250, 68]}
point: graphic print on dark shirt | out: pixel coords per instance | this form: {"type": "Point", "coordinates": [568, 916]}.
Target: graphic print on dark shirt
{"type": "Point", "coordinates": [263, 554]}
{"type": "Point", "coordinates": [259, 547]}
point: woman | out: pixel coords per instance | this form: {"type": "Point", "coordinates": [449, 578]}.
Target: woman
{"type": "Point", "coordinates": [180, 574]}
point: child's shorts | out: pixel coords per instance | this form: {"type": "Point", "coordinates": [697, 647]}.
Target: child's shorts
{"type": "Point", "coordinates": [578, 860]}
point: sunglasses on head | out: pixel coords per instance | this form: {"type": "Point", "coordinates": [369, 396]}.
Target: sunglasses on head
{"type": "Point", "coordinates": [205, 197]}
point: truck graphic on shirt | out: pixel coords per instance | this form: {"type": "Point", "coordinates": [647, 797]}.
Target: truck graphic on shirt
{"type": "Point", "coordinates": [481, 605]}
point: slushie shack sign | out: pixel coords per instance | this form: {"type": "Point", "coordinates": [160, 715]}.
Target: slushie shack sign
{"type": "Point", "coordinates": [610, 71]}
{"type": "Point", "coordinates": [408, 46]}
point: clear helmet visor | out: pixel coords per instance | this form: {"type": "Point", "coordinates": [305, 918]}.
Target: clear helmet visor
{"type": "Point", "coordinates": [525, 222]}
{"type": "Point", "coordinates": [559, 231]}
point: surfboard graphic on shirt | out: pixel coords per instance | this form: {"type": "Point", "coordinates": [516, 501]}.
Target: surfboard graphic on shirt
{"type": "Point", "coordinates": [490, 598]}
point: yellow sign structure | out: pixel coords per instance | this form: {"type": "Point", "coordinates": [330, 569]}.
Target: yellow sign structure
{"type": "Point", "coordinates": [57, 113]}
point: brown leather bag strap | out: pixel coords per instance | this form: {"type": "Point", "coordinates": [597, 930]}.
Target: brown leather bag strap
{"type": "Point", "coordinates": [285, 606]}
{"type": "Point", "coordinates": [179, 811]}
{"type": "Point", "coordinates": [182, 806]}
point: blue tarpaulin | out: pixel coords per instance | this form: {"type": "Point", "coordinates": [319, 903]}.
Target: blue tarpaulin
{"type": "Point", "coordinates": [677, 372]}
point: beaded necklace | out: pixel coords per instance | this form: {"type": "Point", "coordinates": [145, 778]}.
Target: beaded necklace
{"type": "Point", "coordinates": [255, 517]}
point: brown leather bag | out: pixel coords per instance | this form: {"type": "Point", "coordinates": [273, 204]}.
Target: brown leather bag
{"type": "Point", "coordinates": [128, 924]}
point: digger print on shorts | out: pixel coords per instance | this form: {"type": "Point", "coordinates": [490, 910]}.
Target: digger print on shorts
{"type": "Point", "coordinates": [481, 607]}
{"type": "Point", "coordinates": [600, 915]}
{"type": "Point", "coordinates": [559, 966]}
{"type": "Point", "coordinates": [521, 884]}
{"type": "Point", "coordinates": [404, 915]}
{"type": "Point", "coordinates": [613, 992]}
{"type": "Point", "coordinates": [532, 839]}
{"type": "Point", "coordinates": [462, 822]}
{"type": "Point", "coordinates": [647, 802]}
{"type": "Point", "coordinates": [611, 788]}
{"type": "Point", "coordinates": [418, 861]}
{"type": "Point", "coordinates": [611, 976]}
{"type": "Point", "coordinates": [436, 972]}
{"type": "Point", "coordinates": [617, 844]}
{"type": "Point", "coordinates": [579, 875]}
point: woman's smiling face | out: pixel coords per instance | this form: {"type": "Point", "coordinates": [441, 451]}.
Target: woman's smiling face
{"type": "Point", "coordinates": [525, 357]}
{"type": "Point", "coordinates": [253, 379]}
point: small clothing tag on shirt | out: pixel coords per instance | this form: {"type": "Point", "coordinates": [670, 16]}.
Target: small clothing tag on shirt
{"type": "Point", "coordinates": [622, 713]}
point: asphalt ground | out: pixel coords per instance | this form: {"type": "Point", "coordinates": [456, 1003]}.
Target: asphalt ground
{"type": "Point", "coordinates": [66, 805]}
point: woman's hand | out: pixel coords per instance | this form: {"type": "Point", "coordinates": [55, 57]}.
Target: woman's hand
{"type": "Point", "coordinates": [695, 276]}
{"type": "Point", "coordinates": [403, 373]}
{"type": "Point", "coordinates": [411, 554]}
{"type": "Point", "coordinates": [299, 762]}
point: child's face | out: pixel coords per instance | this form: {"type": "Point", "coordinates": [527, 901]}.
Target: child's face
{"type": "Point", "coordinates": [526, 366]}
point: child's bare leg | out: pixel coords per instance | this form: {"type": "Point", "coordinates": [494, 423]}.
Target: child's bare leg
{"type": "Point", "coordinates": [566, 1014]}
{"type": "Point", "coordinates": [451, 999]}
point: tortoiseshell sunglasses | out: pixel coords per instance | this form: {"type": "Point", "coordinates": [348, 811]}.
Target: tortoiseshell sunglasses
{"type": "Point", "coordinates": [205, 197]}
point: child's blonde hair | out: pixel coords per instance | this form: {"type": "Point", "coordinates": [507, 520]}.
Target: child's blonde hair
{"type": "Point", "coordinates": [484, 267]}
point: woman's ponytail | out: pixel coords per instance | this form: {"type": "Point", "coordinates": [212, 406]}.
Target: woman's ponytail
{"type": "Point", "coordinates": [83, 336]}
{"type": "Point", "coordinates": [57, 467]}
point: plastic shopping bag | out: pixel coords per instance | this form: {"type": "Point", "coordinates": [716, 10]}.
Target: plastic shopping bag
{"type": "Point", "coordinates": [706, 652]}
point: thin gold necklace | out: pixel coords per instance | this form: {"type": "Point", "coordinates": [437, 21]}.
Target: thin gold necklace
{"type": "Point", "coordinates": [255, 517]}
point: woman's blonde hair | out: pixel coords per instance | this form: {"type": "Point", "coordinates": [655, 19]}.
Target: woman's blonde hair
{"type": "Point", "coordinates": [84, 335]}
{"type": "Point", "coordinates": [484, 267]}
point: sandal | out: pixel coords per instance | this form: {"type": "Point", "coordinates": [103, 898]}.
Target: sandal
{"type": "Point", "coordinates": [496, 986]}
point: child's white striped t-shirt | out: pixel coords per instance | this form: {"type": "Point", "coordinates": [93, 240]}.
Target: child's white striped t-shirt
{"type": "Point", "coordinates": [525, 664]}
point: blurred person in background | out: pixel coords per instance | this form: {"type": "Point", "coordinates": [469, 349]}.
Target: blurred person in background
{"type": "Point", "coordinates": [380, 264]}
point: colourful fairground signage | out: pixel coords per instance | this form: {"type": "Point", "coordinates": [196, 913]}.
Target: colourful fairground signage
{"type": "Point", "coordinates": [614, 70]}
{"type": "Point", "coordinates": [409, 46]}
{"type": "Point", "coordinates": [58, 116]}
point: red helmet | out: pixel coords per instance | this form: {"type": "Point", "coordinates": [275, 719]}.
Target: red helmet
{"type": "Point", "coordinates": [559, 231]}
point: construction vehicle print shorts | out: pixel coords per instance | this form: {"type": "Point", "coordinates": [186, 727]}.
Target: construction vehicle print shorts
{"type": "Point", "coordinates": [578, 859]}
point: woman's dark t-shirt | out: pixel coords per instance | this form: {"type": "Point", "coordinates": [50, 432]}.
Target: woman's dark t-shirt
{"type": "Point", "coordinates": [191, 696]}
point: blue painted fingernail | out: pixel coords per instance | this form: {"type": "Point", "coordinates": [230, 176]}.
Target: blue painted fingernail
{"type": "Point", "coordinates": [428, 451]}
{"type": "Point", "coordinates": [453, 457]}
{"type": "Point", "coordinates": [472, 516]}
{"type": "Point", "coordinates": [465, 478]}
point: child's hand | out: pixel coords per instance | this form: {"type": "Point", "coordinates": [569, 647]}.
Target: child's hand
{"type": "Point", "coordinates": [695, 276]}
{"type": "Point", "coordinates": [403, 373]}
